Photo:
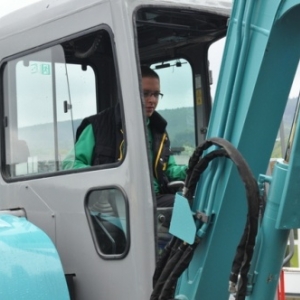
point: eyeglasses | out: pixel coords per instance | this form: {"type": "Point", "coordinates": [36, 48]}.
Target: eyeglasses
{"type": "Point", "coordinates": [157, 95]}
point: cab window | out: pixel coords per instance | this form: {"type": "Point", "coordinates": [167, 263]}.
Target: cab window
{"type": "Point", "coordinates": [47, 93]}
{"type": "Point", "coordinates": [107, 214]}
{"type": "Point", "coordinates": [177, 106]}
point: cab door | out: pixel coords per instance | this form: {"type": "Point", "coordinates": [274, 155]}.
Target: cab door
{"type": "Point", "coordinates": [100, 217]}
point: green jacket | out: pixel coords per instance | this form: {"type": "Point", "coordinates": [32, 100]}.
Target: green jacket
{"type": "Point", "coordinates": [164, 165]}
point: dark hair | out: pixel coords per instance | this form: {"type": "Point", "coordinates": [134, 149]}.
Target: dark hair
{"type": "Point", "coordinates": [148, 72]}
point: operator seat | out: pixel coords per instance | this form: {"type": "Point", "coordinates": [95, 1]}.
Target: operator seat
{"type": "Point", "coordinates": [19, 154]}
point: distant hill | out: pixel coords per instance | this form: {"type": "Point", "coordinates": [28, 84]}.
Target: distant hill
{"type": "Point", "coordinates": [40, 138]}
{"type": "Point", "coordinates": [180, 126]}
{"type": "Point", "coordinates": [41, 141]}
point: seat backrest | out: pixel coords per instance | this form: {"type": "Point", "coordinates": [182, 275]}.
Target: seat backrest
{"type": "Point", "coordinates": [19, 155]}
{"type": "Point", "coordinates": [20, 152]}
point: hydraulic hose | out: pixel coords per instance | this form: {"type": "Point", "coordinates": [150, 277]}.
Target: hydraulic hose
{"type": "Point", "coordinates": [245, 248]}
{"type": "Point", "coordinates": [162, 261]}
{"type": "Point", "coordinates": [168, 289]}
{"type": "Point", "coordinates": [174, 265]}
{"type": "Point", "coordinates": [170, 265]}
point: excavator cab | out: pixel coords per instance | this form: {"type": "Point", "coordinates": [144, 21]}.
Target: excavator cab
{"type": "Point", "coordinates": [63, 62]}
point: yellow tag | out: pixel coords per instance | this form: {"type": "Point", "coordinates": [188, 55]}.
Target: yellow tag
{"type": "Point", "coordinates": [199, 97]}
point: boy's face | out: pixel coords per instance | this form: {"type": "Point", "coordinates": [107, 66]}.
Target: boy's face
{"type": "Point", "coordinates": [151, 89]}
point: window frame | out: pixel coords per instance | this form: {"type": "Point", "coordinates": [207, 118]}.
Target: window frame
{"type": "Point", "coordinates": [193, 102]}
{"type": "Point", "coordinates": [5, 175]}
{"type": "Point", "coordinates": [91, 227]}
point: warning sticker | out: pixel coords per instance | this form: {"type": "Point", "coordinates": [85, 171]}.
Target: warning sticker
{"type": "Point", "coordinates": [199, 100]}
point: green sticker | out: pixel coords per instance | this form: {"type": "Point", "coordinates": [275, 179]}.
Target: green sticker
{"type": "Point", "coordinates": [45, 69]}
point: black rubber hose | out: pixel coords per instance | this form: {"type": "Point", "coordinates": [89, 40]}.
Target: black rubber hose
{"type": "Point", "coordinates": [253, 198]}
{"type": "Point", "coordinates": [163, 259]}
{"type": "Point", "coordinates": [194, 159]}
{"type": "Point", "coordinates": [196, 167]}
{"type": "Point", "coordinates": [168, 289]}
{"type": "Point", "coordinates": [245, 248]}
{"type": "Point", "coordinates": [166, 272]}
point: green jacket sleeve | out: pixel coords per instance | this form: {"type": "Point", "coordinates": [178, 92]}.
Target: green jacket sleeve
{"type": "Point", "coordinates": [81, 155]}
{"type": "Point", "coordinates": [174, 171]}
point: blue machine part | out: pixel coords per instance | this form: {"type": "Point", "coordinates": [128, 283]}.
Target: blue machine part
{"type": "Point", "coordinates": [30, 266]}
{"type": "Point", "coordinates": [182, 222]}
{"type": "Point", "coordinates": [263, 282]}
